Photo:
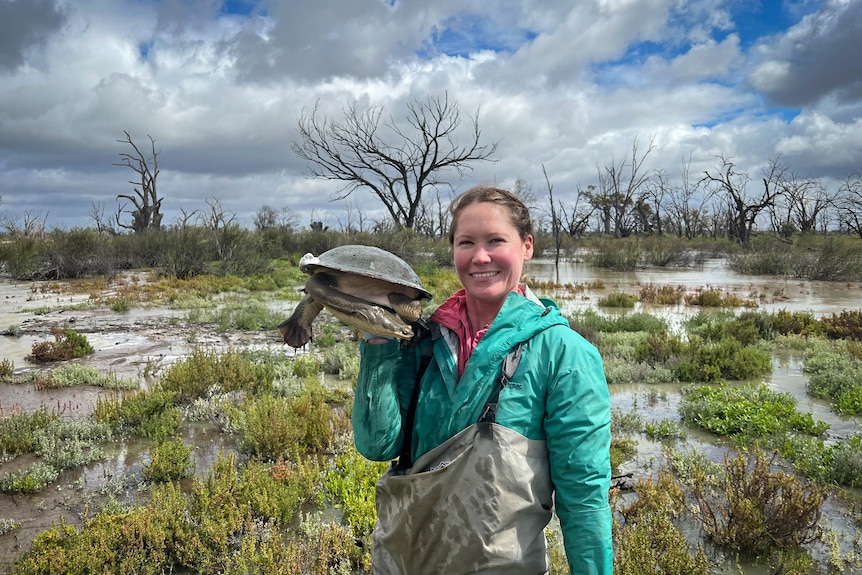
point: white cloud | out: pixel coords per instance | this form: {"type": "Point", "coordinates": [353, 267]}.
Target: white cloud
{"type": "Point", "coordinates": [567, 85]}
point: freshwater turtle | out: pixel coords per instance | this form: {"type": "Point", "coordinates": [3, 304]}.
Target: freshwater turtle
{"type": "Point", "coordinates": [366, 287]}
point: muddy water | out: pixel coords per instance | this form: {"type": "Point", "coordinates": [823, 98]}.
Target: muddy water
{"type": "Point", "coordinates": [141, 343]}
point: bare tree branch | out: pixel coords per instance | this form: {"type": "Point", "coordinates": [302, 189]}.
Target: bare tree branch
{"type": "Point", "coordinates": [147, 213]}
{"type": "Point", "coordinates": [397, 163]}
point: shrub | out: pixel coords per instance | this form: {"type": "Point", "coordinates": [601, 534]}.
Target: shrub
{"type": "Point", "coordinates": [618, 300]}
{"type": "Point", "coordinates": [351, 485]}
{"type": "Point", "coordinates": [67, 344]}
{"type": "Point", "coordinates": [268, 427]}
{"type": "Point", "coordinates": [659, 347]}
{"type": "Point", "coordinates": [26, 258]}
{"type": "Point", "coordinates": [169, 460]}
{"type": "Point", "coordinates": [707, 361]}
{"type": "Point", "coordinates": [151, 414]}
{"type": "Point", "coordinates": [18, 430]}
{"type": "Point", "coordinates": [7, 368]}
{"type": "Point", "coordinates": [755, 510]}
{"type": "Point", "coordinates": [836, 260]}
{"type": "Point", "coordinates": [30, 480]}
{"type": "Point", "coordinates": [648, 541]}
{"type": "Point", "coordinates": [839, 463]}
{"type": "Point", "coordinates": [201, 371]}
{"type": "Point", "coordinates": [72, 374]}
{"type": "Point", "coordinates": [847, 324]}
{"type": "Point", "coordinates": [589, 320]}
{"type": "Point", "coordinates": [748, 412]}
{"type": "Point", "coordinates": [80, 252]}
{"type": "Point", "coordinates": [615, 254]}
{"type": "Point", "coordinates": [664, 251]}
{"type": "Point", "coordinates": [715, 298]}
{"type": "Point", "coordinates": [835, 375]}
{"type": "Point", "coordinates": [664, 294]}
{"type": "Point", "coordinates": [277, 491]}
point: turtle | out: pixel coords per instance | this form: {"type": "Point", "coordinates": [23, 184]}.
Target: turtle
{"type": "Point", "coordinates": [366, 287]}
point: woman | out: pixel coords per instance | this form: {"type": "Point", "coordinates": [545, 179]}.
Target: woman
{"type": "Point", "coordinates": [490, 456]}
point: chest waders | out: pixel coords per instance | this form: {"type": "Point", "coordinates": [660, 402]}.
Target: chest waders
{"type": "Point", "coordinates": [477, 503]}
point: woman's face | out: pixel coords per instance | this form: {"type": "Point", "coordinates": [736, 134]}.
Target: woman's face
{"type": "Point", "coordinates": [489, 254]}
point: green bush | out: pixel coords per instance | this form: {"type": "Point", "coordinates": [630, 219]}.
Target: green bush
{"type": "Point", "coordinates": [615, 254]}
{"type": "Point", "coordinates": [67, 344]}
{"type": "Point", "coordinates": [278, 490]}
{"type": "Point", "coordinates": [839, 463]}
{"type": "Point", "coordinates": [26, 258]}
{"type": "Point", "coordinates": [847, 324]}
{"type": "Point", "coordinates": [30, 480]}
{"type": "Point", "coordinates": [648, 539]}
{"type": "Point", "coordinates": [835, 375]}
{"type": "Point", "coordinates": [746, 412]}
{"type": "Point", "coordinates": [18, 431]}
{"type": "Point", "coordinates": [267, 428]}
{"type": "Point", "coordinates": [202, 371]}
{"type": "Point", "coordinates": [753, 509]}
{"type": "Point", "coordinates": [618, 300]}
{"type": "Point", "coordinates": [837, 259]}
{"type": "Point", "coordinates": [351, 486]}
{"type": "Point", "coordinates": [151, 414]}
{"type": "Point", "coordinates": [80, 252]}
{"type": "Point", "coordinates": [170, 460]}
{"type": "Point", "coordinates": [709, 361]}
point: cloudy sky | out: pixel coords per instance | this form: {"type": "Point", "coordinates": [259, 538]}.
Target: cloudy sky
{"type": "Point", "coordinates": [568, 84]}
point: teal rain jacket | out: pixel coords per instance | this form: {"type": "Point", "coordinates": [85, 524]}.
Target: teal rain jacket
{"type": "Point", "coordinates": [558, 394]}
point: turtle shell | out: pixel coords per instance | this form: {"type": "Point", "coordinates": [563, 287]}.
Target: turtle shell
{"type": "Point", "coordinates": [368, 261]}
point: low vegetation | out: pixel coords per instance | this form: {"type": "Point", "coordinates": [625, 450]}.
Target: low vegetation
{"type": "Point", "coordinates": [266, 504]}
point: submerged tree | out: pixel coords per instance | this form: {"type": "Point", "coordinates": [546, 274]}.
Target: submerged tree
{"type": "Point", "coordinates": [147, 212]}
{"type": "Point", "coordinates": [398, 163]}
{"type": "Point", "coordinates": [744, 207]}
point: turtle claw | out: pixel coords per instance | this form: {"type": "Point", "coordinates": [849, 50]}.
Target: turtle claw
{"type": "Point", "coordinates": [294, 334]}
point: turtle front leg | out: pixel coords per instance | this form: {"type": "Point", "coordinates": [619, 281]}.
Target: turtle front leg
{"type": "Point", "coordinates": [296, 330]}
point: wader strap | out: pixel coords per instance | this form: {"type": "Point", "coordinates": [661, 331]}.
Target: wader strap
{"type": "Point", "coordinates": [405, 462]}
{"type": "Point", "coordinates": [510, 364]}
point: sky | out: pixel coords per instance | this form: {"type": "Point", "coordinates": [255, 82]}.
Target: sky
{"type": "Point", "coordinates": [561, 85]}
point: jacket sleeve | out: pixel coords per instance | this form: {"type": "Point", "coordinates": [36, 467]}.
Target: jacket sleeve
{"type": "Point", "coordinates": [577, 425]}
{"type": "Point", "coordinates": [383, 391]}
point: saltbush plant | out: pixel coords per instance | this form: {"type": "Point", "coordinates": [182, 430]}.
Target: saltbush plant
{"type": "Point", "coordinates": [19, 430]}
{"type": "Point", "coordinates": [746, 413]}
{"type": "Point", "coordinates": [202, 371]}
{"type": "Point", "coordinates": [835, 374]}
{"type": "Point", "coordinates": [169, 460]}
{"type": "Point", "coordinates": [74, 374]}
{"type": "Point", "coordinates": [845, 325]}
{"type": "Point", "coordinates": [33, 479]}
{"type": "Point", "coordinates": [754, 508]}
{"type": "Point", "coordinates": [710, 361]}
{"type": "Point", "coordinates": [839, 463]}
{"type": "Point", "coordinates": [618, 300]}
{"type": "Point", "coordinates": [67, 344]}
{"type": "Point", "coordinates": [350, 484]}
{"type": "Point", "coordinates": [648, 539]}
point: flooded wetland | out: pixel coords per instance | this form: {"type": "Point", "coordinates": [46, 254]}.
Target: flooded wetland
{"type": "Point", "coordinates": [140, 344]}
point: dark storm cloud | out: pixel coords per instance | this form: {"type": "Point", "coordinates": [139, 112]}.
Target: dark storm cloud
{"type": "Point", "coordinates": [818, 58]}
{"type": "Point", "coordinates": [26, 24]}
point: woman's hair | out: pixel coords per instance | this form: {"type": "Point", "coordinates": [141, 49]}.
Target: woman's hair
{"type": "Point", "coordinates": [518, 212]}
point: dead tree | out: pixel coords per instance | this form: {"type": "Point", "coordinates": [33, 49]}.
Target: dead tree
{"type": "Point", "coordinates": [744, 208]}
{"type": "Point", "coordinates": [398, 163]}
{"type": "Point", "coordinates": [147, 212]}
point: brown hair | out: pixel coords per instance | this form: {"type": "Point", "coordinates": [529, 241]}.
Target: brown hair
{"type": "Point", "coordinates": [518, 212]}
